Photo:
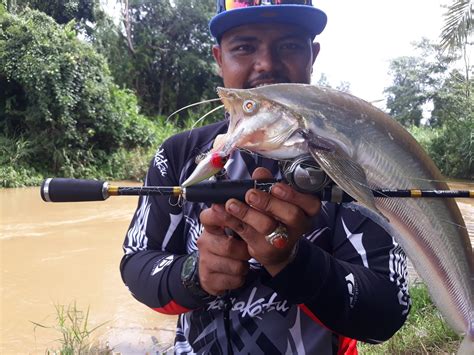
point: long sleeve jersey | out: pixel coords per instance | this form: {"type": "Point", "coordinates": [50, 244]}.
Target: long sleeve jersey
{"type": "Point", "coordinates": [347, 281]}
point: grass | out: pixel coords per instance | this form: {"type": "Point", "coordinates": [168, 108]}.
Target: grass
{"type": "Point", "coordinates": [74, 330]}
{"type": "Point", "coordinates": [425, 331]}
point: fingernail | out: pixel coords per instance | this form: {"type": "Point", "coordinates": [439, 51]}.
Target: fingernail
{"type": "Point", "coordinates": [233, 208]}
{"type": "Point", "coordinates": [252, 198]}
{"type": "Point", "coordinates": [218, 208]}
{"type": "Point", "coordinates": [279, 192]}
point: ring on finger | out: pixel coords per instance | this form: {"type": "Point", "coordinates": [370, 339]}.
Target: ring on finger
{"type": "Point", "coordinates": [279, 237]}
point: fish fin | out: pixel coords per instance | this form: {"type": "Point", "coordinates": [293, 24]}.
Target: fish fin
{"type": "Point", "coordinates": [348, 175]}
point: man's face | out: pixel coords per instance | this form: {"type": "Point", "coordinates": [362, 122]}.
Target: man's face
{"type": "Point", "coordinates": [253, 55]}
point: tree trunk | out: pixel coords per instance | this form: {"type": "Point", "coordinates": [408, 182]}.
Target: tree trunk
{"type": "Point", "coordinates": [128, 26]}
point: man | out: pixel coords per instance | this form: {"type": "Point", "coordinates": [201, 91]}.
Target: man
{"type": "Point", "coordinates": [337, 277]}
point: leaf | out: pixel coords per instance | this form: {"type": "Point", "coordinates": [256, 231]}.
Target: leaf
{"type": "Point", "coordinates": [458, 24]}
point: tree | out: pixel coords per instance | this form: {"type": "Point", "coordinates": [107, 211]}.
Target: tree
{"type": "Point", "coordinates": [343, 86]}
{"type": "Point", "coordinates": [415, 80]}
{"type": "Point", "coordinates": [63, 11]}
{"type": "Point", "coordinates": [163, 53]}
{"type": "Point", "coordinates": [459, 24]}
{"type": "Point", "coordinates": [56, 93]}
{"type": "Point", "coordinates": [431, 78]}
{"type": "Point", "coordinates": [455, 35]}
{"type": "Point", "coordinates": [453, 147]}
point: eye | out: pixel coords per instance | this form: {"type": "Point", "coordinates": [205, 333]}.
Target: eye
{"type": "Point", "coordinates": [249, 106]}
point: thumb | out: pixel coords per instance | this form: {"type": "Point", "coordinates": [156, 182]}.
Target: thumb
{"type": "Point", "coordinates": [261, 173]}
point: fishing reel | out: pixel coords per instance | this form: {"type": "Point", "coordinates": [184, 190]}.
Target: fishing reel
{"type": "Point", "coordinates": [304, 174]}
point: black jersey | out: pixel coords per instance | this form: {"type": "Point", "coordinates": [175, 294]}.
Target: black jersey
{"type": "Point", "coordinates": [348, 280]}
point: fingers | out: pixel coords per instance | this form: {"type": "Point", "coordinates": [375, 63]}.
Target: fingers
{"type": "Point", "coordinates": [214, 220]}
{"type": "Point", "coordinates": [223, 261]}
{"type": "Point", "coordinates": [260, 215]}
{"type": "Point", "coordinates": [219, 268]}
{"type": "Point", "coordinates": [281, 210]}
{"type": "Point", "coordinates": [218, 274]}
{"type": "Point", "coordinates": [247, 221]}
{"type": "Point", "coordinates": [308, 203]}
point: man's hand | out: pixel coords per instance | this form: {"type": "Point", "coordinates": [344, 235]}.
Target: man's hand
{"type": "Point", "coordinates": [261, 215]}
{"type": "Point", "coordinates": [223, 260]}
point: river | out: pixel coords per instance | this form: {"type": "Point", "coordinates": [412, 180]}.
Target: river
{"type": "Point", "coordinates": [61, 253]}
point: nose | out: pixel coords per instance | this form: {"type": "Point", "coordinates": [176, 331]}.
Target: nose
{"type": "Point", "coordinates": [267, 61]}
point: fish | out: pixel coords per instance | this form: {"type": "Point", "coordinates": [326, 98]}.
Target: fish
{"type": "Point", "coordinates": [361, 148]}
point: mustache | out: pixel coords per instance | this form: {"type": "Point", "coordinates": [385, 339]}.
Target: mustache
{"type": "Point", "coordinates": [275, 78]}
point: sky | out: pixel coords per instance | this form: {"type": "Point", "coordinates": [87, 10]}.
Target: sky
{"type": "Point", "coordinates": [361, 37]}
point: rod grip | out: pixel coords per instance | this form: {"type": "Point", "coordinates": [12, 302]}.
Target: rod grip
{"type": "Point", "coordinates": [220, 192]}
{"type": "Point", "coordinates": [73, 190]}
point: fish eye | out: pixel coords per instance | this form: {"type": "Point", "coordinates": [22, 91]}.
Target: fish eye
{"type": "Point", "coordinates": [249, 106]}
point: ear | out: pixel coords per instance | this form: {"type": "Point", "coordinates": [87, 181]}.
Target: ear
{"type": "Point", "coordinates": [316, 48]}
{"type": "Point", "coordinates": [217, 53]}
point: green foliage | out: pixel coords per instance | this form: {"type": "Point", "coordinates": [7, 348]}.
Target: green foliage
{"type": "Point", "coordinates": [343, 86]}
{"type": "Point", "coordinates": [19, 176]}
{"type": "Point", "coordinates": [459, 24]}
{"type": "Point", "coordinates": [424, 332]}
{"type": "Point", "coordinates": [12, 172]}
{"type": "Point", "coordinates": [424, 135]}
{"type": "Point", "coordinates": [165, 56]}
{"type": "Point", "coordinates": [453, 100]}
{"type": "Point", "coordinates": [453, 149]}
{"type": "Point", "coordinates": [415, 80]}
{"type": "Point", "coordinates": [56, 93]}
{"type": "Point", "coordinates": [430, 79]}
{"type": "Point", "coordinates": [63, 11]}
{"type": "Point", "coordinates": [73, 326]}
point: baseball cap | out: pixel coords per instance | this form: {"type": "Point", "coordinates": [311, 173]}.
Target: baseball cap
{"type": "Point", "coordinates": [234, 13]}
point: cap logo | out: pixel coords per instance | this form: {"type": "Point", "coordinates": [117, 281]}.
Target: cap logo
{"type": "Point", "coordinates": [224, 5]}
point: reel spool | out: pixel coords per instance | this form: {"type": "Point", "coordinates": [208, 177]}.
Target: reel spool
{"type": "Point", "coordinates": [304, 174]}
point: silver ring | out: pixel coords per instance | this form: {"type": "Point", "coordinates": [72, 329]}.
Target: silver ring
{"type": "Point", "coordinates": [279, 237]}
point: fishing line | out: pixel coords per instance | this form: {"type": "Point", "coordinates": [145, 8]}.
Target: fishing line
{"type": "Point", "coordinates": [456, 225]}
{"type": "Point", "coordinates": [207, 114]}
{"type": "Point", "coordinates": [434, 180]}
{"type": "Point", "coordinates": [192, 105]}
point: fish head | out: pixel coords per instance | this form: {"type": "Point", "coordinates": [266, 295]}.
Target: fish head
{"type": "Point", "coordinates": [260, 124]}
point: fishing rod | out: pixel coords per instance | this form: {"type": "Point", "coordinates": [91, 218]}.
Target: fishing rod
{"type": "Point", "coordinates": [76, 190]}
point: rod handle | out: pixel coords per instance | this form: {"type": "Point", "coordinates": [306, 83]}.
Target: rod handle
{"type": "Point", "coordinates": [220, 192]}
{"type": "Point", "coordinates": [73, 190]}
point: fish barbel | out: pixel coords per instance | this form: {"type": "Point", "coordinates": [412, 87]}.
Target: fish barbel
{"type": "Point", "coordinates": [361, 148]}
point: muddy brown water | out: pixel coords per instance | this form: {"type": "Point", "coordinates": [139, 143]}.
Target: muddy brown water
{"type": "Point", "coordinates": [61, 253]}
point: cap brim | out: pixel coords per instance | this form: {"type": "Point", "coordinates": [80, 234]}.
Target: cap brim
{"type": "Point", "coordinates": [310, 18]}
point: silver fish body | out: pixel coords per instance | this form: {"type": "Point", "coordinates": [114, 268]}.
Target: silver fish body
{"type": "Point", "coordinates": [362, 148]}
